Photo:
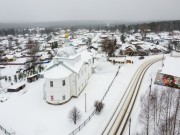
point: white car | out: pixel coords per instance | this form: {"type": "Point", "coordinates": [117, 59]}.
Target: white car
{"type": "Point", "coordinates": [2, 99]}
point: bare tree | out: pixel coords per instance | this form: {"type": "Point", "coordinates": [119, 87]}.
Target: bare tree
{"type": "Point", "coordinates": [160, 109]}
{"type": "Point", "coordinates": [146, 113]}
{"type": "Point", "coordinates": [176, 116]}
{"type": "Point", "coordinates": [143, 31]}
{"type": "Point", "coordinates": [74, 115]}
{"type": "Point", "coordinates": [32, 48]}
{"type": "Point", "coordinates": [108, 46]}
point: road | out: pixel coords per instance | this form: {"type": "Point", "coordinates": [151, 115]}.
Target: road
{"type": "Point", "coordinates": [119, 120]}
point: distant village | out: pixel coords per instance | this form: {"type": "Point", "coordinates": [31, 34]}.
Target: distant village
{"type": "Point", "coordinates": [14, 47]}
{"type": "Point", "coordinates": [73, 51]}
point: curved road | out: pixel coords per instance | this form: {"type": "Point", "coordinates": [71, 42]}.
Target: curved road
{"type": "Point", "coordinates": [118, 122]}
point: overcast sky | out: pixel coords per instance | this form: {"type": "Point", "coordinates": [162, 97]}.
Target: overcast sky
{"type": "Point", "coordinates": [58, 10]}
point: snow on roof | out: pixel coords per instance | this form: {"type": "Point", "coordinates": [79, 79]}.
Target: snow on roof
{"type": "Point", "coordinates": [18, 55]}
{"type": "Point", "coordinates": [132, 47]}
{"type": "Point", "coordinates": [32, 76]}
{"type": "Point", "coordinates": [66, 51]}
{"type": "Point", "coordinates": [121, 59]}
{"type": "Point", "coordinates": [153, 36]}
{"type": "Point", "coordinates": [128, 58]}
{"type": "Point", "coordinates": [103, 36]}
{"type": "Point", "coordinates": [85, 56]}
{"type": "Point", "coordinates": [171, 66]}
{"type": "Point", "coordinates": [9, 56]}
{"type": "Point", "coordinates": [68, 65]}
{"type": "Point", "coordinates": [2, 66]}
{"type": "Point", "coordinates": [58, 72]}
{"type": "Point", "coordinates": [45, 56]}
{"type": "Point", "coordinates": [124, 46]}
{"type": "Point", "coordinates": [17, 85]}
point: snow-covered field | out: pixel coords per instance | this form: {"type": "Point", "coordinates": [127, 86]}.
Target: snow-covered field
{"type": "Point", "coordinates": [28, 114]}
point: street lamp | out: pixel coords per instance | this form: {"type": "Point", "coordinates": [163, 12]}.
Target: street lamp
{"type": "Point", "coordinates": [85, 102]}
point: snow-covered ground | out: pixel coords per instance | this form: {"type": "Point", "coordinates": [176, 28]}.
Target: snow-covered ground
{"type": "Point", "coordinates": [28, 114]}
{"type": "Point", "coordinates": [136, 127]}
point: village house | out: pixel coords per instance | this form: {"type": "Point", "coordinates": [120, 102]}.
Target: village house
{"type": "Point", "coordinates": [9, 58]}
{"type": "Point", "coordinates": [67, 75]}
{"type": "Point", "coordinates": [130, 50]}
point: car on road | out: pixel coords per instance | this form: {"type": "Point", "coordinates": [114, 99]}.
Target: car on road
{"type": "Point", "coordinates": [142, 57]}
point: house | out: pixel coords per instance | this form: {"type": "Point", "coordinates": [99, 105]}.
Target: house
{"type": "Point", "coordinates": [154, 49]}
{"type": "Point", "coordinates": [16, 87]}
{"type": "Point", "coordinates": [67, 75]}
{"type": "Point", "coordinates": [129, 60]}
{"type": "Point", "coordinates": [10, 58]}
{"type": "Point", "coordinates": [130, 50]}
{"type": "Point", "coordinates": [32, 78]}
{"type": "Point", "coordinates": [2, 66]}
{"type": "Point", "coordinates": [121, 59]}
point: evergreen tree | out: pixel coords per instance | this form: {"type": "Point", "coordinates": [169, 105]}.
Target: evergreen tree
{"type": "Point", "coordinates": [123, 39]}
{"type": "Point", "coordinates": [5, 78]}
{"type": "Point", "coordinates": [9, 78]}
{"type": "Point", "coordinates": [15, 78]}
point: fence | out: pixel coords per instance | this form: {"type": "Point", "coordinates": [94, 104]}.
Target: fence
{"type": "Point", "coordinates": [111, 84]}
{"type": "Point", "coordinates": [83, 124]}
{"type": "Point", "coordinates": [89, 118]}
{"type": "Point", "coordinates": [5, 131]}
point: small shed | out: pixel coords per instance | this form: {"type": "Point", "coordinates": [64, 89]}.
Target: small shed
{"type": "Point", "coordinates": [117, 59]}
{"type": "Point", "coordinates": [32, 78]}
{"type": "Point", "coordinates": [2, 67]}
{"type": "Point", "coordinates": [129, 60]}
{"type": "Point", "coordinates": [16, 87]}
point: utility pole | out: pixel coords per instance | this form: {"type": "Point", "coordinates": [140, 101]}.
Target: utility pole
{"type": "Point", "coordinates": [150, 87]}
{"type": "Point", "coordinates": [85, 102]}
{"type": "Point", "coordinates": [162, 60]}
{"type": "Point", "coordinates": [130, 126]}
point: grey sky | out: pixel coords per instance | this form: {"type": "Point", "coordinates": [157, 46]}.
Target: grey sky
{"type": "Point", "coordinates": [57, 10]}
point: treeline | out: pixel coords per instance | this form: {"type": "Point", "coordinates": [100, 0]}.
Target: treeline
{"type": "Point", "coordinates": [14, 32]}
{"type": "Point", "coordinates": [153, 26]}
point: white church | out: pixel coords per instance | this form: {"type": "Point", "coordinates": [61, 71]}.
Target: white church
{"type": "Point", "coordinates": [67, 75]}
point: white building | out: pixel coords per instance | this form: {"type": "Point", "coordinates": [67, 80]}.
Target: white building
{"type": "Point", "coordinates": [67, 75]}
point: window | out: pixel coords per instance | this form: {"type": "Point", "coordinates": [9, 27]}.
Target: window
{"type": "Point", "coordinates": [51, 83]}
{"type": "Point", "coordinates": [52, 98]}
{"type": "Point", "coordinates": [64, 97]}
{"type": "Point", "coordinates": [63, 82]}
